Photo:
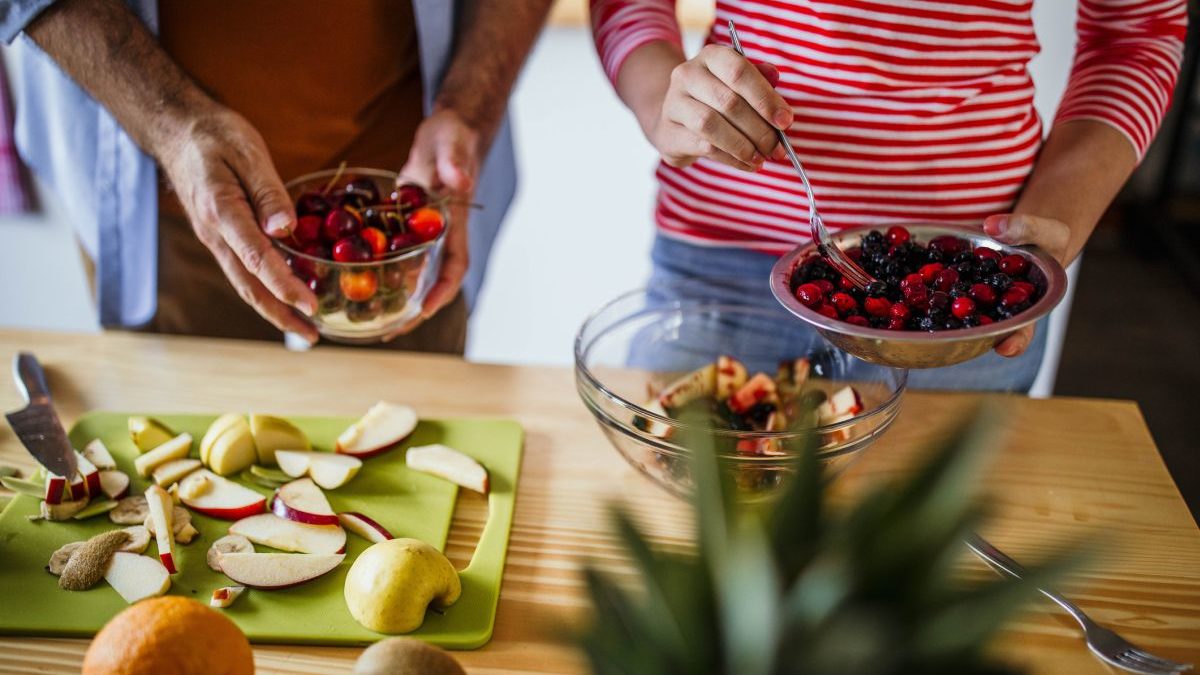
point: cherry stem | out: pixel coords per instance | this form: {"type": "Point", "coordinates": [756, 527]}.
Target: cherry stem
{"type": "Point", "coordinates": [333, 181]}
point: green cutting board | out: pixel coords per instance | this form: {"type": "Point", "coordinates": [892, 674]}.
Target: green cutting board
{"type": "Point", "coordinates": [407, 503]}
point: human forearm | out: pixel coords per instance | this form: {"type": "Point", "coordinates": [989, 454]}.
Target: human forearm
{"type": "Point", "coordinates": [493, 39]}
{"type": "Point", "coordinates": [1082, 166]}
{"type": "Point", "coordinates": [107, 50]}
{"type": "Point", "coordinates": [644, 78]}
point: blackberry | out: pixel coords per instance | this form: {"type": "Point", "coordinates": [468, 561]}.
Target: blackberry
{"type": "Point", "coordinates": [1000, 281]}
{"type": "Point", "coordinates": [876, 289]}
{"type": "Point", "coordinates": [986, 267]}
{"type": "Point", "coordinates": [926, 323]}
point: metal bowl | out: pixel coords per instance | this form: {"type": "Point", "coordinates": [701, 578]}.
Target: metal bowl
{"type": "Point", "coordinates": [644, 340]}
{"type": "Point", "coordinates": [917, 349]}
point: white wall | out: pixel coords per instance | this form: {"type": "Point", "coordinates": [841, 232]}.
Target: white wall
{"type": "Point", "coordinates": [577, 235]}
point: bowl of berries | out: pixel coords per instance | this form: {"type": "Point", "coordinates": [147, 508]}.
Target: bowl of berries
{"type": "Point", "coordinates": [944, 293]}
{"type": "Point", "coordinates": [368, 248]}
{"type": "Point", "coordinates": [716, 362]}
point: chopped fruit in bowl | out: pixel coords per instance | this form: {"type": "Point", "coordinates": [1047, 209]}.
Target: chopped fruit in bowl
{"type": "Point", "coordinates": [943, 294]}
{"type": "Point", "coordinates": [370, 250]}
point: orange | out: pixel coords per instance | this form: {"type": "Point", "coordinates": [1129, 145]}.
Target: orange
{"type": "Point", "coordinates": [169, 635]}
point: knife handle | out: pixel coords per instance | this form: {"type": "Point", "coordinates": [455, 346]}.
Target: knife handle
{"type": "Point", "coordinates": [30, 378]}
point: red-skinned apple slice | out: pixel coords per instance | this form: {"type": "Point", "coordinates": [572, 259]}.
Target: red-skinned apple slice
{"type": "Point", "coordinates": [78, 489]}
{"type": "Point", "coordinates": [450, 464]}
{"type": "Point", "coordinates": [160, 513]}
{"type": "Point", "coordinates": [277, 570]}
{"type": "Point", "coordinates": [220, 497]}
{"type": "Point", "coordinates": [364, 527]}
{"type": "Point", "coordinates": [846, 401]}
{"type": "Point", "coordinates": [302, 501]}
{"type": "Point", "coordinates": [384, 425]}
{"type": "Point", "coordinates": [55, 485]}
{"type": "Point", "coordinates": [90, 474]}
{"type": "Point", "coordinates": [98, 454]}
{"type": "Point", "coordinates": [224, 596]}
{"type": "Point", "coordinates": [269, 529]}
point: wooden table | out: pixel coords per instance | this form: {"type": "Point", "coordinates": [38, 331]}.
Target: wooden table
{"type": "Point", "coordinates": [1070, 467]}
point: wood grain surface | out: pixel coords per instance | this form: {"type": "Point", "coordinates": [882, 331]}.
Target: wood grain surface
{"type": "Point", "coordinates": [1069, 469]}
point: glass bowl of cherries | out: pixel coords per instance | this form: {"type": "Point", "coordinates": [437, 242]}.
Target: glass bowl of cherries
{"type": "Point", "coordinates": [369, 249]}
{"type": "Point", "coordinates": [944, 293]}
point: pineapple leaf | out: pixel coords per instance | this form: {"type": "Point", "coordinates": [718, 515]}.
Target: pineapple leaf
{"type": "Point", "coordinates": [748, 588]}
{"type": "Point", "coordinates": [714, 495]}
{"type": "Point", "coordinates": [795, 520]}
{"type": "Point", "coordinates": [615, 644]}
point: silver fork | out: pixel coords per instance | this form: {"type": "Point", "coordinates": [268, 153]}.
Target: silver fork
{"type": "Point", "coordinates": [841, 262]}
{"type": "Point", "coordinates": [1106, 644]}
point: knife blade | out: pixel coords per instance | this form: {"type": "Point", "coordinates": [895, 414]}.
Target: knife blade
{"type": "Point", "coordinates": [37, 425]}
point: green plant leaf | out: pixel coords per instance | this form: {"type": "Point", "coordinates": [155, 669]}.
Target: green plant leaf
{"type": "Point", "coordinates": [749, 591]}
{"type": "Point", "coordinates": [795, 519]}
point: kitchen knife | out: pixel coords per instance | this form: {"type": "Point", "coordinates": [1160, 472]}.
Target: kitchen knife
{"type": "Point", "coordinates": [37, 424]}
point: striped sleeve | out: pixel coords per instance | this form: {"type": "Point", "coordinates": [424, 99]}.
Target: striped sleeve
{"type": "Point", "coordinates": [621, 26]}
{"type": "Point", "coordinates": [1126, 64]}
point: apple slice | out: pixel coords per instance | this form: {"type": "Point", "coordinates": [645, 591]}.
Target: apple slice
{"type": "Point", "coordinates": [224, 596]}
{"type": "Point", "coordinates": [164, 534]}
{"type": "Point", "coordinates": [278, 570]}
{"type": "Point", "coordinates": [446, 462]}
{"type": "Point", "coordinates": [650, 426]}
{"type": "Point", "coordinates": [758, 389]}
{"type": "Point", "coordinates": [137, 577]}
{"type": "Point", "coordinates": [98, 455]}
{"type": "Point", "coordinates": [269, 529]}
{"type": "Point", "coordinates": [846, 401]}
{"type": "Point", "coordinates": [701, 382]}
{"type": "Point", "coordinates": [233, 450]}
{"type": "Point", "coordinates": [381, 428]}
{"type": "Point", "coordinates": [78, 489]}
{"type": "Point", "coordinates": [148, 433]}
{"type": "Point", "coordinates": [731, 375]}
{"type": "Point", "coordinates": [327, 469]}
{"type": "Point", "coordinates": [64, 510]}
{"type": "Point", "coordinates": [176, 448]}
{"type": "Point", "coordinates": [302, 501]}
{"type": "Point", "coordinates": [173, 471]}
{"type": "Point", "coordinates": [139, 539]}
{"type": "Point", "coordinates": [364, 527]}
{"type": "Point", "coordinates": [275, 433]}
{"type": "Point", "coordinates": [55, 487]}
{"type": "Point", "coordinates": [215, 429]}
{"type": "Point", "coordinates": [219, 497]}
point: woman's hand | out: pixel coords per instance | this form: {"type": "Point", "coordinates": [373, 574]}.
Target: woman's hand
{"type": "Point", "coordinates": [223, 175]}
{"type": "Point", "coordinates": [721, 106]}
{"type": "Point", "coordinates": [1017, 229]}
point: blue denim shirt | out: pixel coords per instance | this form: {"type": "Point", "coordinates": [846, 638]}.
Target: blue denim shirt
{"type": "Point", "coordinates": [108, 186]}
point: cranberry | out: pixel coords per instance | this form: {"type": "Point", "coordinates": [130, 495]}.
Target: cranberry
{"type": "Point", "coordinates": [929, 272]}
{"type": "Point", "coordinates": [401, 241]}
{"type": "Point", "coordinates": [1014, 297]}
{"type": "Point", "coordinates": [895, 324]}
{"type": "Point", "coordinates": [375, 239]}
{"type": "Point", "coordinates": [947, 245]}
{"type": "Point", "coordinates": [825, 285]}
{"type": "Point", "coordinates": [985, 253]}
{"type": "Point", "coordinates": [919, 301]}
{"type": "Point", "coordinates": [410, 196]}
{"type": "Point", "coordinates": [900, 311]}
{"type": "Point", "coordinates": [312, 204]}
{"type": "Point", "coordinates": [962, 307]}
{"type": "Point", "coordinates": [1014, 265]}
{"type": "Point", "coordinates": [828, 311]}
{"type": "Point", "coordinates": [983, 294]}
{"type": "Point", "coordinates": [844, 303]}
{"type": "Point", "coordinates": [426, 223]}
{"type": "Point", "coordinates": [1029, 288]}
{"type": "Point", "coordinates": [946, 279]}
{"type": "Point", "coordinates": [845, 284]}
{"type": "Point", "coordinates": [351, 250]}
{"type": "Point", "coordinates": [857, 320]}
{"type": "Point", "coordinates": [897, 235]}
{"type": "Point", "coordinates": [809, 295]}
{"type": "Point", "coordinates": [984, 320]}
{"type": "Point", "coordinates": [877, 306]}
{"type": "Point", "coordinates": [339, 224]}
{"type": "Point", "coordinates": [365, 188]}
{"type": "Point", "coordinates": [307, 230]}
{"type": "Point", "coordinates": [912, 282]}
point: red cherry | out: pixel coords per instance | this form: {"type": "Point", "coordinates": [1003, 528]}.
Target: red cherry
{"type": "Point", "coordinates": [302, 267]}
{"type": "Point", "coordinates": [358, 286]}
{"type": "Point", "coordinates": [877, 306]}
{"type": "Point", "coordinates": [983, 294]}
{"type": "Point", "coordinates": [426, 223]}
{"type": "Point", "coordinates": [857, 320]}
{"type": "Point", "coordinates": [844, 303]}
{"type": "Point", "coordinates": [985, 253]}
{"type": "Point", "coordinates": [317, 286]}
{"type": "Point", "coordinates": [1014, 297]}
{"type": "Point", "coordinates": [900, 311]}
{"type": "Point", "coordinates": [946, 279]}
{"type": "Point", "coordinates": [929, 272]}
{"type": "Point", "coordinates": [401, 241]}
{"type": "Point", "coordinates": [365, 188]}
{"type": "Point", "coordinates": [962, 307]}
{"type": "Point", "coordinates": [410, 196]}
{"type": "Point", "coordinates": [307, 230]}
{"type": "Point", "coordinates": [311, 269]}
{"type": "Point", "coordinates": [1014, 265]}
{"type": "Point", "coordinates": [351, 250]}
{"type": "Point", "coordinates": [897, 235]}
{"type": "Point", "coordinates": [375, 239]}
{"type": "Point", "coordinates": [312, 203]}
{"type": "Point", "coordinates": [825, 285]}
{"type": "Point", "coordinates": [809, 295]}
{"type": "Point", "coordinates": [392, 276]}
{"type": "Point", "coordinates": [340, 223]}
{"type": "Point", "coordinates": [827, 310]}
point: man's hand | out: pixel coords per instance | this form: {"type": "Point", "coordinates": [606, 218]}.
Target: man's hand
{"type": "Point", "coordinates": [445, 158]}
{"type": "Point", "coordinates": [1051, 235]}
{"type": "Point", "coordinates": [222, 173]}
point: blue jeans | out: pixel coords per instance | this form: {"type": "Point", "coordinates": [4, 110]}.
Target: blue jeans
{"type": "Point", "coordinates": [676, 261]}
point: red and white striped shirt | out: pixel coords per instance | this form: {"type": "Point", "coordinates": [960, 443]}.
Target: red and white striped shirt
{"type": "Point", "coordinates": [904, 111]}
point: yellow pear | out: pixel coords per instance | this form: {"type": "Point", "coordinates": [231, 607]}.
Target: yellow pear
{"type": "Point", "coordinates": [275, 433]}
{"type": "Point", "coordinates": [392, 583]}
